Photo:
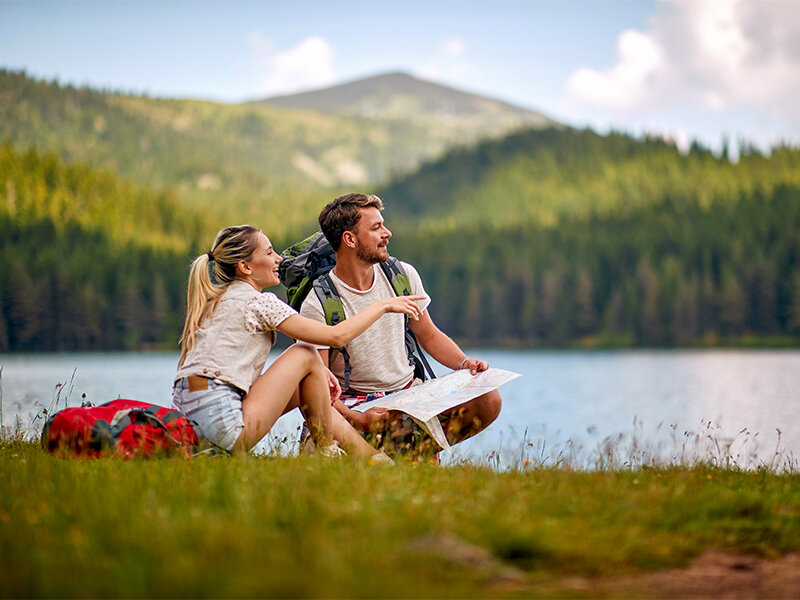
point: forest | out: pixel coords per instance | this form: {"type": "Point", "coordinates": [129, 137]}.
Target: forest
{"type": "Point", "coordinates": [237, 161]}
{"type": "Point", "coordinates": [563, 237]}
{"type": "Point", "coordinates": [544, 238]}
{"type": "Point", "coordinates": [88, 262]}
{"type": "Point", "coordinates": [674, 274]}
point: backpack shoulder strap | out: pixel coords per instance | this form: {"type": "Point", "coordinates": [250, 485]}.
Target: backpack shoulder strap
{"type": "Point", "coordinates": [329, 298]}
{"type": "Point", "coordinates": [397, 276]}
{"type": "Point", "coordinates": [333, 308]}
{"type": "Point", "coordinates": [400, 282]}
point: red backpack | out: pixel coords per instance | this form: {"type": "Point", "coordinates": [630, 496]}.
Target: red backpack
{"type": "Point", "coordinates": [125, 428]}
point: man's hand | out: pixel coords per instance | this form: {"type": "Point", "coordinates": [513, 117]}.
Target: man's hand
{"type": "Point", "coordinates": [475, 366]}
{"type": "Point", "coordinates": [333, 386]}
{"type": "Point", "coordinates": [372, 419]}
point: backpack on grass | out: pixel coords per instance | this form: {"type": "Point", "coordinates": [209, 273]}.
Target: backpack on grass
{"type": "Point", "coordinates": [306, 266]}
{"type": "Point", "coordinates": [125, 428]}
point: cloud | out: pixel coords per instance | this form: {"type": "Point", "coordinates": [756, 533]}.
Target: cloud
{"type": "Point", "coordinates": [448, 64]}
{"type": "Point", "coordinates": [454, 47]}
{"type": "Point", "coordinates": [721, 55]}
{"type": "Point", "coordinates": [628, 83]}
{"type": "Point", "coordinates": [307, 65]}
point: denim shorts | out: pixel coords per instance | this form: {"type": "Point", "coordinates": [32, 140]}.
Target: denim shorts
{"type": "Point", "coordinates": [217, 410]}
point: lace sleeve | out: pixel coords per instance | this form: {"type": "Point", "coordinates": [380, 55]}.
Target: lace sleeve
{"type": "Point", "coordinates": [265, 312]}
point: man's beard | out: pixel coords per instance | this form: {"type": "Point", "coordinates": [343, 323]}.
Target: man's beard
{"type": "Point", "coordinates": [370, 256]}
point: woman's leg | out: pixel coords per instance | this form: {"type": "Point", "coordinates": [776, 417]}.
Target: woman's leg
{"type": "Point", "coordinates": [298, 370]}
{"type": "Point", "coordinates": [349, 438]}
{"type": "Point", "coordinates": [344, 433]}
{"type": "Point", "coordinates": [297, 379]}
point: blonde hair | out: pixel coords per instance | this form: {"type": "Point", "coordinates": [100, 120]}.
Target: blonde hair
{"type": "Point", "coordinates": [232, 245]}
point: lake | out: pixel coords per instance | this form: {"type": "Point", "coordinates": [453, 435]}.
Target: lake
{"type": "Point", "coordinates": [584, 408]}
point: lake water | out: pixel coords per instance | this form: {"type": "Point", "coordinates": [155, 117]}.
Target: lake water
{"type": "Point", "coordinates": [587, 409]}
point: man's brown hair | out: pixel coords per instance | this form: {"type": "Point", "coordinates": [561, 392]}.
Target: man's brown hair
{"type": "Point", "coordinates": [343, 215]}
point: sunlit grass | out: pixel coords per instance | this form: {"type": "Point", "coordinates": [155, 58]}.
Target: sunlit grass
{"type": "Point", "coordinates": [518, 521]}
{"type": "Point", "coordinates": [301, 526]}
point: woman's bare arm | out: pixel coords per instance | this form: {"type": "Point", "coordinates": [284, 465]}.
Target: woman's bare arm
{"type": "Point", "coordinates": [336, 336]}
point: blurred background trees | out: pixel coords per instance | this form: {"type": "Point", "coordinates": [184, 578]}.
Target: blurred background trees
{"type": "Point", "coordinates": [540, 237]}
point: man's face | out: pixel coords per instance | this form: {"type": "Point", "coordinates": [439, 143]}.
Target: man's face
{"type": "Point", "coordinates": [372, 237]}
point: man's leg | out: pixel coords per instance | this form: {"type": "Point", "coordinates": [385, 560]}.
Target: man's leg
{"type": "Point", "coordinates": [465, 420]}
{"type": "Point", "coordinates": [398, 434]}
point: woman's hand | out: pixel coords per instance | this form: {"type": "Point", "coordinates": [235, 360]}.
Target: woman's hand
{"type": "Point", "coordinates": [403, 304]}
{"type": "Point", "coordinates": [336, 336]}
{"type": "Point", "coordinates": [333, 386]}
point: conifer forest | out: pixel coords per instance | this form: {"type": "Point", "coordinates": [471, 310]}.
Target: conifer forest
{"type": "Point", "coordinates": [552, 237]}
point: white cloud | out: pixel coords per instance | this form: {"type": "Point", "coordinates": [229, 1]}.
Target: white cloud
{"type": "Point", "coordinates": [307, 65]}
{"type": "Point", "coordinates": [714, 101]}
{"type": "Point", "coordinates": [721, 55]}
{"type": "Point", "coordinates": [628, 83]}
{"type": "Point", "coordinates": [448, 64]}
{"type": "Point", "coordinates": [454, 47]}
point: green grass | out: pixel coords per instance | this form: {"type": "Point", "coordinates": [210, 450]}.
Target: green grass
{"type": "Point", "coordinates": [300, 527]}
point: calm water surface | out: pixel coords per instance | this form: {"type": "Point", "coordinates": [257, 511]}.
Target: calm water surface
{"type": "Point", "coordinates": [585, 407]}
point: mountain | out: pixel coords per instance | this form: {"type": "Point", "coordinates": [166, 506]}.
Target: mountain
{"type": "Point", "coordinates": [551, 236]}
{"type": "Point", "coordinates": [240, 162]}
{"type": "Point", "coordinates": [400, 96]}
{"type": "Point", "coordinates": [544, 237]}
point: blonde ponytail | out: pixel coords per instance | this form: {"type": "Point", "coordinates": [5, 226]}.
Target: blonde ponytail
{"type": "Point", "coordinates": [232, 245]}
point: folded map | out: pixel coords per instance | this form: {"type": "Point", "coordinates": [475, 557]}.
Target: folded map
{"type": "Point", "coordinates": [426, 401]}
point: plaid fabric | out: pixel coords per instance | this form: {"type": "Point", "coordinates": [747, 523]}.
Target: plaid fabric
{"type": "Point", "coordinates": [353, 398]}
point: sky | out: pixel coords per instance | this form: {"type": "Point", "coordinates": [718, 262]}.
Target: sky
{"type": "Point", "coordinates": [703, 70]}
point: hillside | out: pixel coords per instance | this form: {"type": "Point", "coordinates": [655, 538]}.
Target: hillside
{"type": "Point", "coordinates": [89, 261]}
{"type": "Point", "coordinates": [550, 237]}
{"type": "Point", "coordinates": [557, 238]}
{"type": "Point", "coordinates": [540, 177]}
{"type": "Point", "coordinates": [242, 162]}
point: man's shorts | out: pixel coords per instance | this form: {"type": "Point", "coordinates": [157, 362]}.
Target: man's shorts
{"type": "Point", "coordinates": [404, 436]}
{"type": "Point", "coordinates": [217, 410]}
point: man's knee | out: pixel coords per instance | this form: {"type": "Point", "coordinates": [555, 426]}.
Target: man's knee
{"type": "Point", "coordinates": [489, 406]}
{"type": "Point", "coordinates": [475, 415]}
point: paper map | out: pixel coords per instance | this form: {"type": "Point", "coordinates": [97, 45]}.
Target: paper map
{"type": "Point", "coordinates": [424, 402]}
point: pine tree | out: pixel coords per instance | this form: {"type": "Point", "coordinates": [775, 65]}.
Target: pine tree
{"type": "Point", "coordinates": [648, 290]}
{"type": "Point", "coordinates": [585, 312]}
{"type": "Point", "coordinates": [733, 307]}
{"type": "Point", "coordinates": [794, 310]}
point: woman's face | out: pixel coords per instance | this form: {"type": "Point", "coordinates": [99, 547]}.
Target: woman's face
{"type": "Point", "coordinates": [261, 269]}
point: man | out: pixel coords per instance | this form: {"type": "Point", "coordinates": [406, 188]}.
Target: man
{"type": "Point", "coordinates": [378, 358]}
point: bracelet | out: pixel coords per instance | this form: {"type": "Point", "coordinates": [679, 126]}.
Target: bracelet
{"type": "Point", "coordinates": [462, 363]}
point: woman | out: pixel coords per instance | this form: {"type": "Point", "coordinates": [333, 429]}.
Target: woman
{"type": "Point", "coordinates": [229, 331]}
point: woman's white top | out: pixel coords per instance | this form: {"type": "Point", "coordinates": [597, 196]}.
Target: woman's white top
{"type": "Point", "coordinates": [233, 344]}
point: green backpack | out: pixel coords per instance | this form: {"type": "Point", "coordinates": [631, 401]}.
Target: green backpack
{"type": "Point", "coordinates": [307, 265]}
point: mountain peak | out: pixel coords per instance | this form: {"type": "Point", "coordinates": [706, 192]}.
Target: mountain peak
{"type": "Point", "coordinates": [400, 95]}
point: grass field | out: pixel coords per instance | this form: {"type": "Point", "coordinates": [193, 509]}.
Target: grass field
{"type": "Point", "coordinates": [308, 527]}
